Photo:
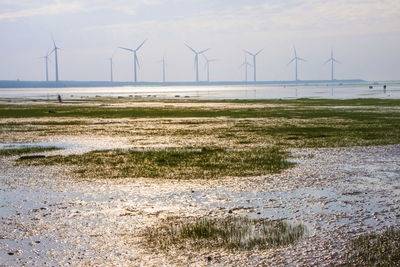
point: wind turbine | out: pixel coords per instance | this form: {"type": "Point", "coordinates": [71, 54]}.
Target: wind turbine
{"type": "Point", "coordinates": [135, 59]}
{"type": "Point", "coordinates": [245, 64]}
{"type": "Point", "coordinates": [196, 60]}
{"type": "Point", "coordinates": [46, 57]}
{"type": "Point", "coordinates": [56, 58]}
{"type": "Point", "coordinates": [296, 58]}
{"type": "Point", "coordinates": [254, 61]}
{"type": "Point", "coordinates": [332, 60]}
{"type": "Point", "coordinates": [208, 66]}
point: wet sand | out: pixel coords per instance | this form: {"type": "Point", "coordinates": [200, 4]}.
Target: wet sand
{"type": "Point", "coordinates": [50, 218]}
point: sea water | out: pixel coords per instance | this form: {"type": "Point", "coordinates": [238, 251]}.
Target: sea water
{"type": "Point", "coordinates": [243, 92]}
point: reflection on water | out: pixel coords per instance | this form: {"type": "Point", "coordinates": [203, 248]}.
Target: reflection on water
{"type": "Point", "coordinates": [213, 92]}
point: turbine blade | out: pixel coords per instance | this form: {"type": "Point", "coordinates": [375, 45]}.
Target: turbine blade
{"type": "Point", "coordinates": [137, 62]}
{"type": "Point", "coordinates": [291, 61]}
{"type": "Point", "coordinates": [201, 52]}
{"type": "Point", "coordinates": [337, 61]}
{"type": "Point", "coordinates": [259, 52]}
{"type": "Point", "coordinates": [52, 38]}
{"type": "Point", "coordinates": [302, 59]}
{"type": "Point", "coordinates": [141, 45]}
{"type": "Point", "coordinates": [244, 64]}
{"type": "Point", "coordinates": [295, 54]}
{"type": "Point", "coordinates": [194, 51]}
{"type": "Point", "coordinates": [326, 62]}
{"type": "Point", "coordinates": [128, 49]}
{"type": "Point", "coordinates": [248, 52]}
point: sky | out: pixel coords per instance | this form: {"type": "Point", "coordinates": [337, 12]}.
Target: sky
{"type": "Point", "coordinates": [364, 36]}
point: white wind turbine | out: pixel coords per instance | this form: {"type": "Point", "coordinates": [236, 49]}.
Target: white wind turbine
{"type": "Point", "coordinates": [196, 60]}
{"type": "Point", "coordinates": [46, 57]}
{"type": "Point", "coordinates": [254, 62]}
{"type": "Point", "coordinates": [207, 65]}
{"type": "Point", "coordinates": [135, 59]}
{"type": "Point", "coordinates": [296, 58]}
{"type": "Point", "coordinates": [246, 65]}
{"type": "Point", "coordinates": [56, 57]}
{"type": "Point", "coordinates": [332, 60]}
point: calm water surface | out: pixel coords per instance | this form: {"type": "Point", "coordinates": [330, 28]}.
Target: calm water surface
{"type": "Point", "coordinates": [213, 92]}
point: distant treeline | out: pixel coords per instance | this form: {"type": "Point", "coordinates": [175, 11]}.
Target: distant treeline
{"type": "Point", "coordinates": [62, 84]}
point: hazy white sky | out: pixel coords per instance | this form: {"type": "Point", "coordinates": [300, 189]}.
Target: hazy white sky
{"type": "Point", "coordinates": [365, 36]}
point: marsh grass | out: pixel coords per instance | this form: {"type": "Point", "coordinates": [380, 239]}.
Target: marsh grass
{"type": "Point", "coordinates": [25, 150]}
{"type": "Point", "coordinates": [287, 123]}
{"type": "Point", "coordinates": [284, 125]}
{"type": "Point", "coordinates": [237, 233]}
{"type": "Point", "coordinates": [189, 163]}
{"type": "Point", "coordinates": [301, 108]}
{"type": "Point", "coordinates": [375, 249]}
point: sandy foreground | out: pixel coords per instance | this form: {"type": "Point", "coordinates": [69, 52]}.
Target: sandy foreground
{"type": "Point", "coordinates": [49, 218]}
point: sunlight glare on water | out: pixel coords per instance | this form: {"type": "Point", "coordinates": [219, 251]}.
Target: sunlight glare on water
{"type": "Point", "coordinates": [334, 91]}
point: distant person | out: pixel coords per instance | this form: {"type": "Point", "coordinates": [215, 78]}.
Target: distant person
{"type": "Point", "coordinates": [59, 98]}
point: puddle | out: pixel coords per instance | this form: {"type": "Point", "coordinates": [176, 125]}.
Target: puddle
{"type": "Point", "coordinates": [73, 144]}
{"type": "Point", "coordinates": [84, 146]}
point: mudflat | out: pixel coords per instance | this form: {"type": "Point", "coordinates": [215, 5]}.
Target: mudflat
{"type": "Point", "coordinates": [116, 170]}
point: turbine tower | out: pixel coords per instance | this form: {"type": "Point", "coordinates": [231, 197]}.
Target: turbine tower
{"type": "Point", "coordinates": [196, 60]}
{"type": "Point", "coordinates": [296, 58]}
{"type": "Point", "coordinates": [163, 69]}
{"type": "Point", "coordinates": [208, 66]}
{"type": "Point", "coordinates": [56, 57]}
{"type": "Point", "coordinates": [135, 59]}
{"type": "Point", "coordinates": [111, 69]}
{"type": "Point", "coordinates": [332, 60]}
{"type": "Point", "coordinates": [254, 62]}
{"type": "Point", "coordinates": [245, 64]}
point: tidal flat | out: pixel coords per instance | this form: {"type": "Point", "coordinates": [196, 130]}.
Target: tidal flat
{"type": "Point", "coordinates": [117, 172]}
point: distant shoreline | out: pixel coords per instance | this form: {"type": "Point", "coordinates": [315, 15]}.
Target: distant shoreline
{"type": "Point", "coordinates": [68, 84]}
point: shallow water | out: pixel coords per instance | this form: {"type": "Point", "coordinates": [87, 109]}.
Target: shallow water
{"type": "Point", "coordinates": [337, 194]}
{"type": "Point", "coordinates": [213, 92]}
{"type": "Point", "coordinates": [70, 145]}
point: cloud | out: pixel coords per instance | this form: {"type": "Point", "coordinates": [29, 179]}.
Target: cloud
{"type": "Point", "coordinates": [330, 17]}
{"type": "Point", "coordinates": [27, 8]}
{"type": "Point", "coordinates": [49, 9]}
